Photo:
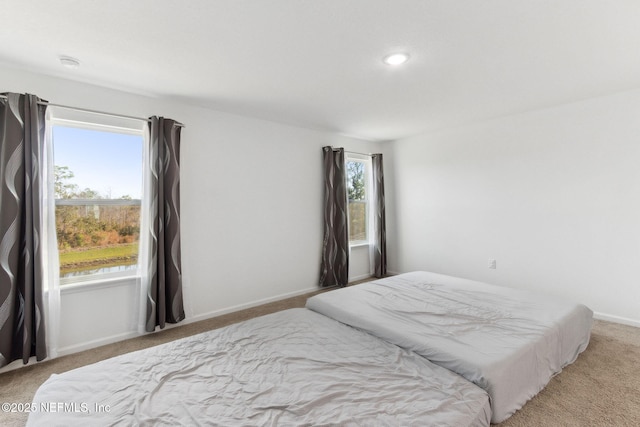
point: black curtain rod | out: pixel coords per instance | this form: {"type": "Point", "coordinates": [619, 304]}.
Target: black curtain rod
{"type": "Point", "coordinates": [86, 110]}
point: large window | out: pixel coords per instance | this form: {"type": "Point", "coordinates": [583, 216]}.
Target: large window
{"type": "Point", "coordinates": [358, 193]}
{"type": "Point", "coordinates": [98, 193]}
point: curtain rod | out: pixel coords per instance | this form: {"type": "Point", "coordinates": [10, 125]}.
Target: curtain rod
{"type": "Point", "coordinates": [86, 110]}
{"type": "Point", "coordinates": [362, 154]}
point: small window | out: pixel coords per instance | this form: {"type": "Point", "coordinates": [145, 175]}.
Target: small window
{"type": "Point", "coordinates": [358, 190]}
{"type": "Point", "coordinates": [98, 198]}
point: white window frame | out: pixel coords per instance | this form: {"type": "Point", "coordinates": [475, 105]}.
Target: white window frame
{"type": "Point", "coordinates": [361, 158]}
{"type": "Point", "coordinates": [60, 116]}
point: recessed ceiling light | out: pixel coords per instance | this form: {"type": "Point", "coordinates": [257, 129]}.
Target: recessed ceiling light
{"type": "Point", "coordinates": [69, 62]}
{"type": "Point", "coordinates": [396, 58]}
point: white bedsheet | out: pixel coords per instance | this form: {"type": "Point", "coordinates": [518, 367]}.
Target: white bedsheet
{"type": "Point", "coordinates": [509, 342]}
{"type": "Point", "coordinates": [290, 368]}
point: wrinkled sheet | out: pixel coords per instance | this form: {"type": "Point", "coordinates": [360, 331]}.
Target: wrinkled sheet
{"type": "Point", "coordinates": [291, 368]}
{"type": "Point", "coordinates": [509, 342]}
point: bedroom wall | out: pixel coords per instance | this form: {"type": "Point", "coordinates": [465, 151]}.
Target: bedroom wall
{"type": "Point", "coordinates": [251, 210]}
{"type": "Point", "coordinates": [552, 195]}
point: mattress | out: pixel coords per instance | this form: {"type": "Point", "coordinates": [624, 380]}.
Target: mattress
{"type": "Point", "coordinates": [509, 342]}
{"type": "Point", "coordinates": [293, 368]}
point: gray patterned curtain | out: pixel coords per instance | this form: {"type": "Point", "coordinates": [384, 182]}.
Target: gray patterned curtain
{"type": "Point", "coordinates": [22, 329]}
{"type": "Point", "coordinates": [335, 247]}
{"type": "Point", "coordinates": [164, 297]}
{"type": "Point", "coordinates": [379, 222]}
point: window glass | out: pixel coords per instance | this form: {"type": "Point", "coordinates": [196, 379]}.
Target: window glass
{"type": "Point", "coordinates": [98, 189]}
{"type": "Point", "coordinates": [357, 193]}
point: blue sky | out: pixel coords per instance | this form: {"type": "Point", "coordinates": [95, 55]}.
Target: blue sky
{"type": "Point", "coordinates": [110, 163]}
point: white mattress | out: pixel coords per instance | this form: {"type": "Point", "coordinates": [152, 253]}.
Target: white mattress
{"type": "Point", "coordinates": [509, 342]}
{"type": "Point", "coordinates": [290, 368]}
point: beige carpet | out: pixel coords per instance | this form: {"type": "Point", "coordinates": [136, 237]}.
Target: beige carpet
{"type": "Point", "coordinates": [602, 388]}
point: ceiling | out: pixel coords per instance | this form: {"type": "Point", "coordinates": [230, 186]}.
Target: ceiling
{"type": "Point", "coordinates": [318, 63]}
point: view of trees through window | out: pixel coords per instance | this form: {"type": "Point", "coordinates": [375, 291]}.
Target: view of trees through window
{"type": "Point", "coordinates": [97, 221]}
{"type": "Point", "coordinates": [356, 191]}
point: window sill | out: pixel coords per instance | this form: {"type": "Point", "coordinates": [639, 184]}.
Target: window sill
{"type": "Point", "coordinates": [98, 283]}
{"type": "Point", "coordinates": [358, 244]}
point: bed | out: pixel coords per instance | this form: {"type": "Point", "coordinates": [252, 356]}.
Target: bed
{"type": "Point", "coordinates": [291, 368]}
{"type": "Point", "coordinates": [509, 342]}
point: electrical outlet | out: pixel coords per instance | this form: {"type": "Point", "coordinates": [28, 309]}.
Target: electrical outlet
{"type": "Point", "coordinates": [492, 264]}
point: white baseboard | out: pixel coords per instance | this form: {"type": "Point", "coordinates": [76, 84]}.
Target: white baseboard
{"type": "Point", "coordinates": [220, 312]}
{"type": "Point", "coordinates": [616, 319]}
{"type": "Point", "coordinates": [17, 364]}
{"type": "Point", "coordinates": [361, 277]}
{"type": "Point", "coordinates": [63, 351]}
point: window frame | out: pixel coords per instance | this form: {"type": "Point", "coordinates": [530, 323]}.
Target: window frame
{"type": "Point", "coordinates": [366, 160]}
{"type": "Point", "coordinates": [80, 119]}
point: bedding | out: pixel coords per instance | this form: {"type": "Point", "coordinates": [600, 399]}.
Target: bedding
{"type": "Point", "coordinates": [509, 342]}
{"type": "Point", "coordinates": [289, 368]}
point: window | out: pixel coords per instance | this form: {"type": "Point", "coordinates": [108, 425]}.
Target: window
{"type": "Point", "coordinates": [358, 193]}
{"type": "Point", "coordinates": [98, 193]}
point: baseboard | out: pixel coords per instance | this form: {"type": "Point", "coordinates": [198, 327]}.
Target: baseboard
{"type": "Point", "coordinates": [361, 277]}
{"type": "Point", "coordinates": [616, 319]}
{"type": "Point", "coordinates": [220, 312]}
{"type": "Point", "coordinates": [17, 364]}
{"type": "Point", "coordinates": [64, 351]}
{"type": "Point", "coordinates": [87, 345]}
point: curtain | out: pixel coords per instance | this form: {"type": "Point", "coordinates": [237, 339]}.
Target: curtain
{"type": "Point", "coordinates": [379, 241]}
{"type": "Point", "coordinates": [164, 294]}
{"type": "Point", "coordinates": [51, 261]}
{"type": "Point", "coordinates": [22, 320]}
{"type": "Point", "coordinates": [334, 269]}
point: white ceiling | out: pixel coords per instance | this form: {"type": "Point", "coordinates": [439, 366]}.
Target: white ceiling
{"type": "Point", "coordinates": [318, 63]}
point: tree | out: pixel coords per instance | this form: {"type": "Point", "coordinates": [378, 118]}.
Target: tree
{"type": "Point", "coordinates": [75, 225]}
{"type": "Point", "coordinates": [355, 180]}
{"type": "Point", "coordinates": [87, 193]}
{"type": "Point", "coordinates": [68, 190]}
{"type": "Point", "coordinates": [63, 189]}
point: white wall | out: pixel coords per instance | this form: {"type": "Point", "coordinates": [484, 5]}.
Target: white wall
{"type": "Point", "coordinates": [552, 195]}
{"type": "Point", "coordinates": [251, 209]}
